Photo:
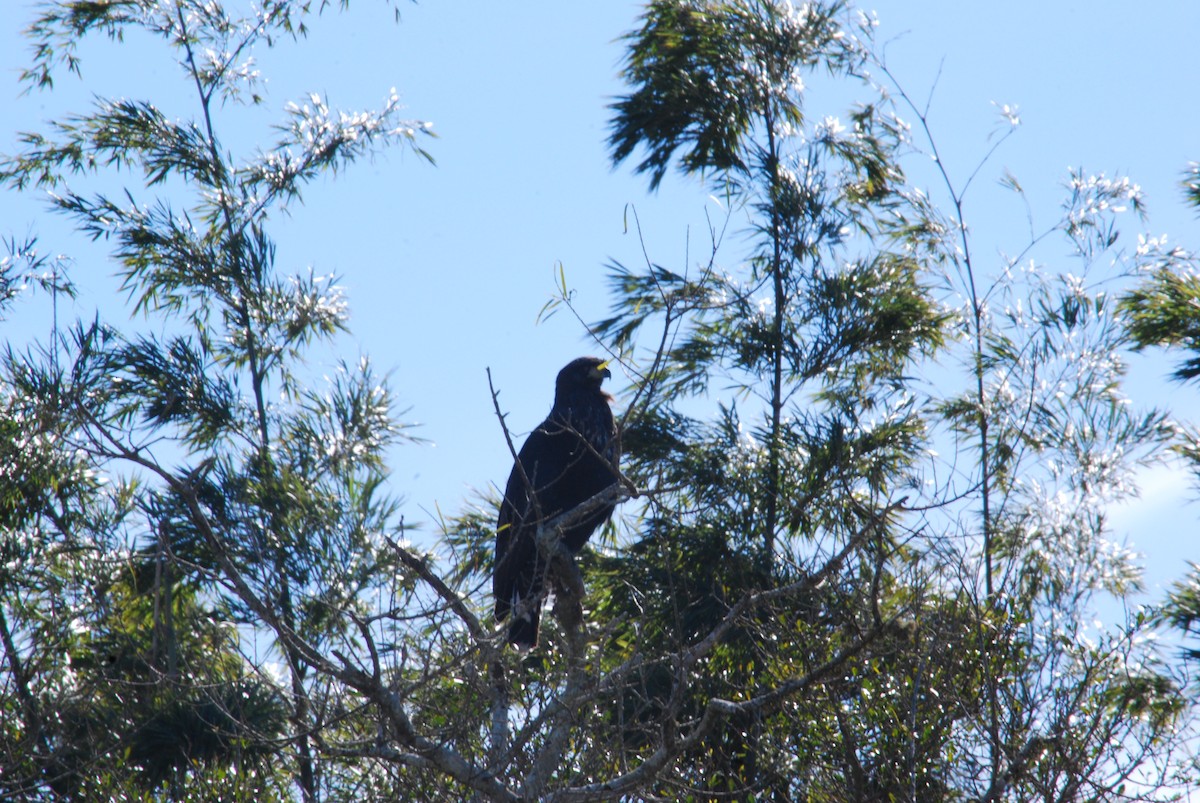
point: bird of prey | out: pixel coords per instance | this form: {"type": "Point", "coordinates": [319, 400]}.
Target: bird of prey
{"type": "Point", "coordinates": [567, 460]}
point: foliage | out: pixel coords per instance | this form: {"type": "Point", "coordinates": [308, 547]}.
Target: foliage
{"type": "Point", "coordinates": [856, 280]}
{"type": "Point", "coordinates": [154, 474]}
{"type": "Point", "coordinates": [1162, 312]}
{"type": "Point", "coordinates": [871, 473]}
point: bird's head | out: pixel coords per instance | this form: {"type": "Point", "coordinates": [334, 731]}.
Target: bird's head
{"type": "Point", "coordinates": [585, 373]}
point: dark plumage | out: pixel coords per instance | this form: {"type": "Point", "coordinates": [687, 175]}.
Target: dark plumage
{"type": "Point", "coordinates": [569, 458]}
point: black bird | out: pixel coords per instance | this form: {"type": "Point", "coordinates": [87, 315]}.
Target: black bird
{"type": "Point", "coordinates": [568, 459]}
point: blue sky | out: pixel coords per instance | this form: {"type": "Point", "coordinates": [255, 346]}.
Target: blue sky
{"type": "Point", "coordinates": [447, 266]}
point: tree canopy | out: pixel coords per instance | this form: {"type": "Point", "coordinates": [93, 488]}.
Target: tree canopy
{"type": "Point", "coordinates": [866, 474]}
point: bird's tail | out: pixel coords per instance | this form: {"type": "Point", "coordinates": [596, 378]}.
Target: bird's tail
{"type": "Point", "coordinates": [523, 630]}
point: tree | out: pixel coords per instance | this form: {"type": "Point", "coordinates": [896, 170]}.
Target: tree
{"type": "Point", "coordinates": [1162, 312]}
{"type": "Point", "coordinates": [804, 601]}
{"type": "Point", "coordinates": [964, 592]}
{"type": "Point", "coordinates": [192, 517]}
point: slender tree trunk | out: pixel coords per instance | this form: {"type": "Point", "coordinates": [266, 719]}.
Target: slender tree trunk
{"type": "Point", "coordinates": [29, 705]}
{"type": "Point", "coordinates": [300, 707]}
{"type": "Point", "coordinates": [775, 445]}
